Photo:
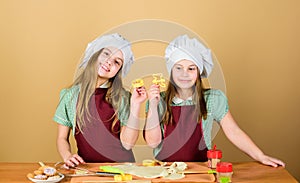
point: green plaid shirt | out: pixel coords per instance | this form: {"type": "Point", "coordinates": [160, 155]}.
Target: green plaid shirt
{"type": "Point", "coordinates": [217, 108]}
{"type": "Point", "coordinates": [66, 110]}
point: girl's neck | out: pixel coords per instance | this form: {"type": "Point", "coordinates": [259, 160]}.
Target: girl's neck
{"type": "Point", "coordinates": [100, 81]}
{"type": "Point", "coordinates": [184, 93]}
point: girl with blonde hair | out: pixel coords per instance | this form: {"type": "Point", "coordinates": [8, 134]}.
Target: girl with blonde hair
{"type": "Point", "coordinates": [102, 115]}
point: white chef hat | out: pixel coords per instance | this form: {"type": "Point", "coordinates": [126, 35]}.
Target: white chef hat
{"type": "Point", "coordinates": [110, 40]}
{"type": "Point", "coordinates": [184, 47]}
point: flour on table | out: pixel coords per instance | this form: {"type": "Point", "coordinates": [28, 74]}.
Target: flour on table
{"type": "Point", "coordinates": [168, 172]}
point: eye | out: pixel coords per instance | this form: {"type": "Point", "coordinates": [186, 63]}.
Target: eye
{"type": "Point", "coordinates": [106, 53]}
{"type": "Point", "coordinates": [177, 67]}
{"type": "Point", "coordinates": [192, 68]}
{"type": "Point", "coordinates": [118, 62]}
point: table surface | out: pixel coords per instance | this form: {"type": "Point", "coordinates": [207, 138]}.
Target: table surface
{"type": "Point", "coordinates": [249, 172]}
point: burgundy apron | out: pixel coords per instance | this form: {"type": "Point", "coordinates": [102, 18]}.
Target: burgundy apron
{"type": "Point", "coordinates": [97, 142]}
{"type": "Point", "coordinates": [183, 140]}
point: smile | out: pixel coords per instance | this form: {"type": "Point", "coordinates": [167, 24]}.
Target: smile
{"type": "Point", "coordinates": [105, 68]}
{"type": "Point", "coordinates": [184, 81]}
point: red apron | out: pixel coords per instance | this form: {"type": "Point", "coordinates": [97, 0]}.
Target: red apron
{"type": "Point", "coordinates": [183, 140]}
{"type": "Point", "coordinates": [97, 142]}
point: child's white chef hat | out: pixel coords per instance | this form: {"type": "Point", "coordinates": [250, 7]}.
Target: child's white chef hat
{"type": "Point", "coordinates": [110, 40]}
{"type": "Point", "coordinates": [184, 47]}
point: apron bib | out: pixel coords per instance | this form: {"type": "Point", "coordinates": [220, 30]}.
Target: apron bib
{"type": "Point", "coordinates": [97, 142]}
{"type": "Point", "coordinates": [183, 138]}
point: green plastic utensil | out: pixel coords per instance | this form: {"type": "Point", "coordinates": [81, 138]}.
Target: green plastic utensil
{"type": "Point", "coordinates": [111, 169]}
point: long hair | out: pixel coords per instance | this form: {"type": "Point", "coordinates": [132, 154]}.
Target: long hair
{"type": "Point", "coordinates": [87, 80]}
{"type": "Point", "coordinates": [198, 97]}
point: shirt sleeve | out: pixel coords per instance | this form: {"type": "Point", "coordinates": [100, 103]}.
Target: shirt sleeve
{"type": "Point", "coordinates": [61, 115]}
{"type": "Point", "coordinates": [219, 104]}
{"type": "Point", "coordinates": [124, 109]}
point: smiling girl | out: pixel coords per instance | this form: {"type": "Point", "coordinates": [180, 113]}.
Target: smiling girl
{"type": "Point", "coordinates": [102, 115]}
{"type": "Point", "coordinates": [179, 120]}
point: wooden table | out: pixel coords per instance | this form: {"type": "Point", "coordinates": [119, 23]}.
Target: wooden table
{"type": "Point", "coordinates": [247, 172]}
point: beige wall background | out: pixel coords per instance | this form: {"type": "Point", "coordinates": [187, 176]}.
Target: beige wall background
{"type": "Point", "coordinates": [256, 42]}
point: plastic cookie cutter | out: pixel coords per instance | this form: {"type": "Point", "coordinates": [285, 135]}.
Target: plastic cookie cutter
{"type": "Point", "coordinates": [159, 79]}
{"type": "Point", "coordinates": [137, 83]}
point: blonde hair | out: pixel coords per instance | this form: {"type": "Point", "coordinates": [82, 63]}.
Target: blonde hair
{"type": "Point", "coordinates": [198, 97]}
{"type": "Point", "coordinates": [87, 80]}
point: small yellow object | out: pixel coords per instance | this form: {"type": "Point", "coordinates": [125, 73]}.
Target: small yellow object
{"type": "Point", "coordinates": [124, 177]}
{"type": "Point", "coordinates": [159, 79]}
{"type": "Point", "coordinates": [127, 177]}
{"type": "Point", "coordinates": [118, 178]}
{"type": "Point", "coordinates": [81, 172]}
{"type": "Point", "coordinates": [137, 83]}
{"type": "Point", "coordinates": [148, 162]}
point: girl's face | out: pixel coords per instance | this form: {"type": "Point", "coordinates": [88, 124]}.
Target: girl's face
{"type": "Point", "coordinates": [185, 74]}
{"type": "Point", "coordinates": [110, 61]}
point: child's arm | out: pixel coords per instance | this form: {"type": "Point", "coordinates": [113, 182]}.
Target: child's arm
{"type": "Point", "coordinates": [153, 134]}
{"type": "Point", "coordinates": [64, 147]}
{"type": "Point", "coordinates": [130, 132]}
{"type": "Point", "coordinates": [240, 139]}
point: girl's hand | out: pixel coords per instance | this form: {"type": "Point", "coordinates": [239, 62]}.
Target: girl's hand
{"type": "Point", "coordinates": [267, 160]}
{"type": "Point", "coordinates": [154, 94]}
{"type": "Point", "coordinates": [73, 160]}
{"type": "Point", "coordinates": [139, 95]}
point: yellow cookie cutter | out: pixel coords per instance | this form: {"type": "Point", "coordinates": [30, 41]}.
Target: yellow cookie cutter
{"type": "Point", "coordinates": [137, 83]}
{"type": "Point", "coordinates": [159, 79]}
